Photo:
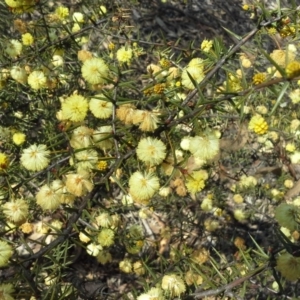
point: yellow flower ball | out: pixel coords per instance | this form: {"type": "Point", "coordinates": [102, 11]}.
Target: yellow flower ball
{"type": "Point", "coordinates": [173, 285]}
{"type": "Point", "coordinates": [124, 55]}
{"type": "Point", "coordinates": [206, 45]}
{"type": "Point", "coordinates": [143, 186]}
{"type": "Point", "coordinates": [13, 48]}
{"type": "Point", "coordinates": [258, 125]}
{"type": "Point", "coordinates": [194, 72]}
{"type": "Point", "coordinates": [106, 237]}
{"type": "Point", "coordinates": [27, 39]}
{"type": "Point", "coordinates": [78, 184]}
{"type": "Point", "coordinates": [94, 70]}
{"type": "Point", "coordinates": [37, 80]}
{"type": "Point", "coordinates": [74, 108]}
{"type": "Point", "coordinates": [101, 107]}
{"type": "Point", "coordinates": [18, 74]}
{"type": "Point", "coordinates": [35, 157]}
{"type": "Point", "coordinates": [126, 265]}
{"type": "Point", "coordinates": [19, 138]}
{"type": "Point", "coordinates": [48, 198]}
{"type": "Point", "coordinates": [3, 161]}
{"type": "Point", "coordinates": [259, 78]}
{"type": "Point", "coordinates": [195, 182]}
{"type": "Point", "coordinates": [16, 211]}
{"type": "Point", "coordinates": [6, 252]}
{"type": "Point", "coordinates": [151, 151]}
{"type": "Point", "coordinates": [62, 12]}
{"type": "Point", "coordinates": [293, 69]}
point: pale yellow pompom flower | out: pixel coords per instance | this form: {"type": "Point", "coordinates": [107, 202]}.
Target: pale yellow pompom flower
{"type": "Point", "coordinates": [62, 12]}
{"type": "Point", "coordinates": [94, 70]}
{"type": "Point", "coordinates": [6, 252]}
{"type": "Point", "coordinates": [124, 55]}
{"type": "Point", "coordinates": [48, 198]}
{"type": "Point", "coordinates": [19, 138]}
{"type": "Point", "coordinates": [206, 45]}
{"type": "Point", "coordinates": [258, 124]}
{"type": "Point", "coordinates": [78, 184]}
{"type": "Point", "coordinates": [102, 137]}
{"type": "Point", "coordinates": [205, 146]}
{"type": "Point", "coordinates": [194, 72]}
{"type": "Point", "coordinates": [149, 120]}
{"type": "Point", "coordinates": [195, 182]}
{"type": "Point", "coordinates": [16, 211]}
{"type": "Point", "coordinates": [143, 186]}
{"type": "Point", "coordinates": [13, 48]}
{"type": "Point", "coordinates": [151, 151]}
{"type": "Point", "coordinates": [125, 265]}
{"type": "Point", "coordinates": [74, 108]}
{"type": "Point", "coordinates": [27, 39]}
{"type": "Point", "coordinates": [106, 237]}
{"type": "Point", "coordinates": [173, 285]}
{"type": "Point", "coordinates": [35, 157]}
{"type": "Point", "coordinates": [37, 80]}
{"type": "Point", "coordinates": [100, 107]}
{"type": "Point", "coordinates": [18, 74]}
{"type": "Point", "coordinates": [78, 17]}
{"type": "Point", "coordinates": [81, 137]}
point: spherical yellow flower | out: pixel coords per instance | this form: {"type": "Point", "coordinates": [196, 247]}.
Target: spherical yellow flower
{"type": "Point", "coordinates": [287, 215]}
{"type": "Point", "coordinates": [37, 80]}
{"type": "Point", "coordinates": [205, 146]}
{"type": "Point", "coordinates": [290, 147]}
{"type": "Point", "coordinates": [85, 160]}
{"type": "Point", "coordinates": [5, 253]}
{"type": "Point", "coordinates": [151, 151]}
{"type": "Point", "coordinates": [78, 17]}
{"type": "Point", "coordinates": [62, 12]}
{"type": "Point", "coordinates": [282, 57]}
{"type": "Point", "coordinates": [100, 107]}
{"type": "Point", "coordinates": [18, 74]}
{"type": "Point", "coordinates": [74, 108]}
{"type": "Point", "coordinates": [295, 96]}
{"type": "Point", "coordinates": [124, 55]}
{"type": "Point", "coordinates": [102, 10]}
{"type": "Point", "coordinates": [106, 237]}
{"type": "Point", "coordinates": [35, 157]}
{"type": "Point", "coordinates": [81, 137]}
{"type": "Point", "coordinates": [94, 70]}
{"type": "Point", "coordinates": [191, 71]}
{"type": "Point", "coordinates": [93, 249]}
{"type": "Point", "coordinates": [193, 278]}
{"type": "Point", "coordinates": [149, 120]}
{"type": "Point", "coordinates": [3, 161]}
{"type": "Point", "coordinates": [143, 186]}
{"type": "Point", "coordinates": [104, 220]}
{"type": "Point", "coordinates": [293, 69]}
{"type": "Point", "coordinates": [258, 124]}
{"type": "Point", "coordinates": [48, 198]}
{"type": "Point", "coordinates": [13, 48]}
{"type": "Point", "coordinates": [125, 265]}
{"type": "Point", "coordinates": [78, 184]}
{"type": "Point", "coordinates": [19, 138]}
{"type": "Point", "coordinates": [16, 211]}
{"type": "Point", "coordinates": [289, 266]}
{"type": "Point", "coordinates": [239, 215]}
{"type": "Point", "coordinates": [195, 182]}
{"type": "Point", "coordinates": [206, 45]}
{"type": "Point", "coordinates": [27, 227]}
{"type": "Point", "coordinates": [259, 78]}
{"type": "Point", "coordinates": [102, 137]}
{"type": "Point", "coordinates": [27, 39]}
{"type": "Point", "coordinates": [173, 285]}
